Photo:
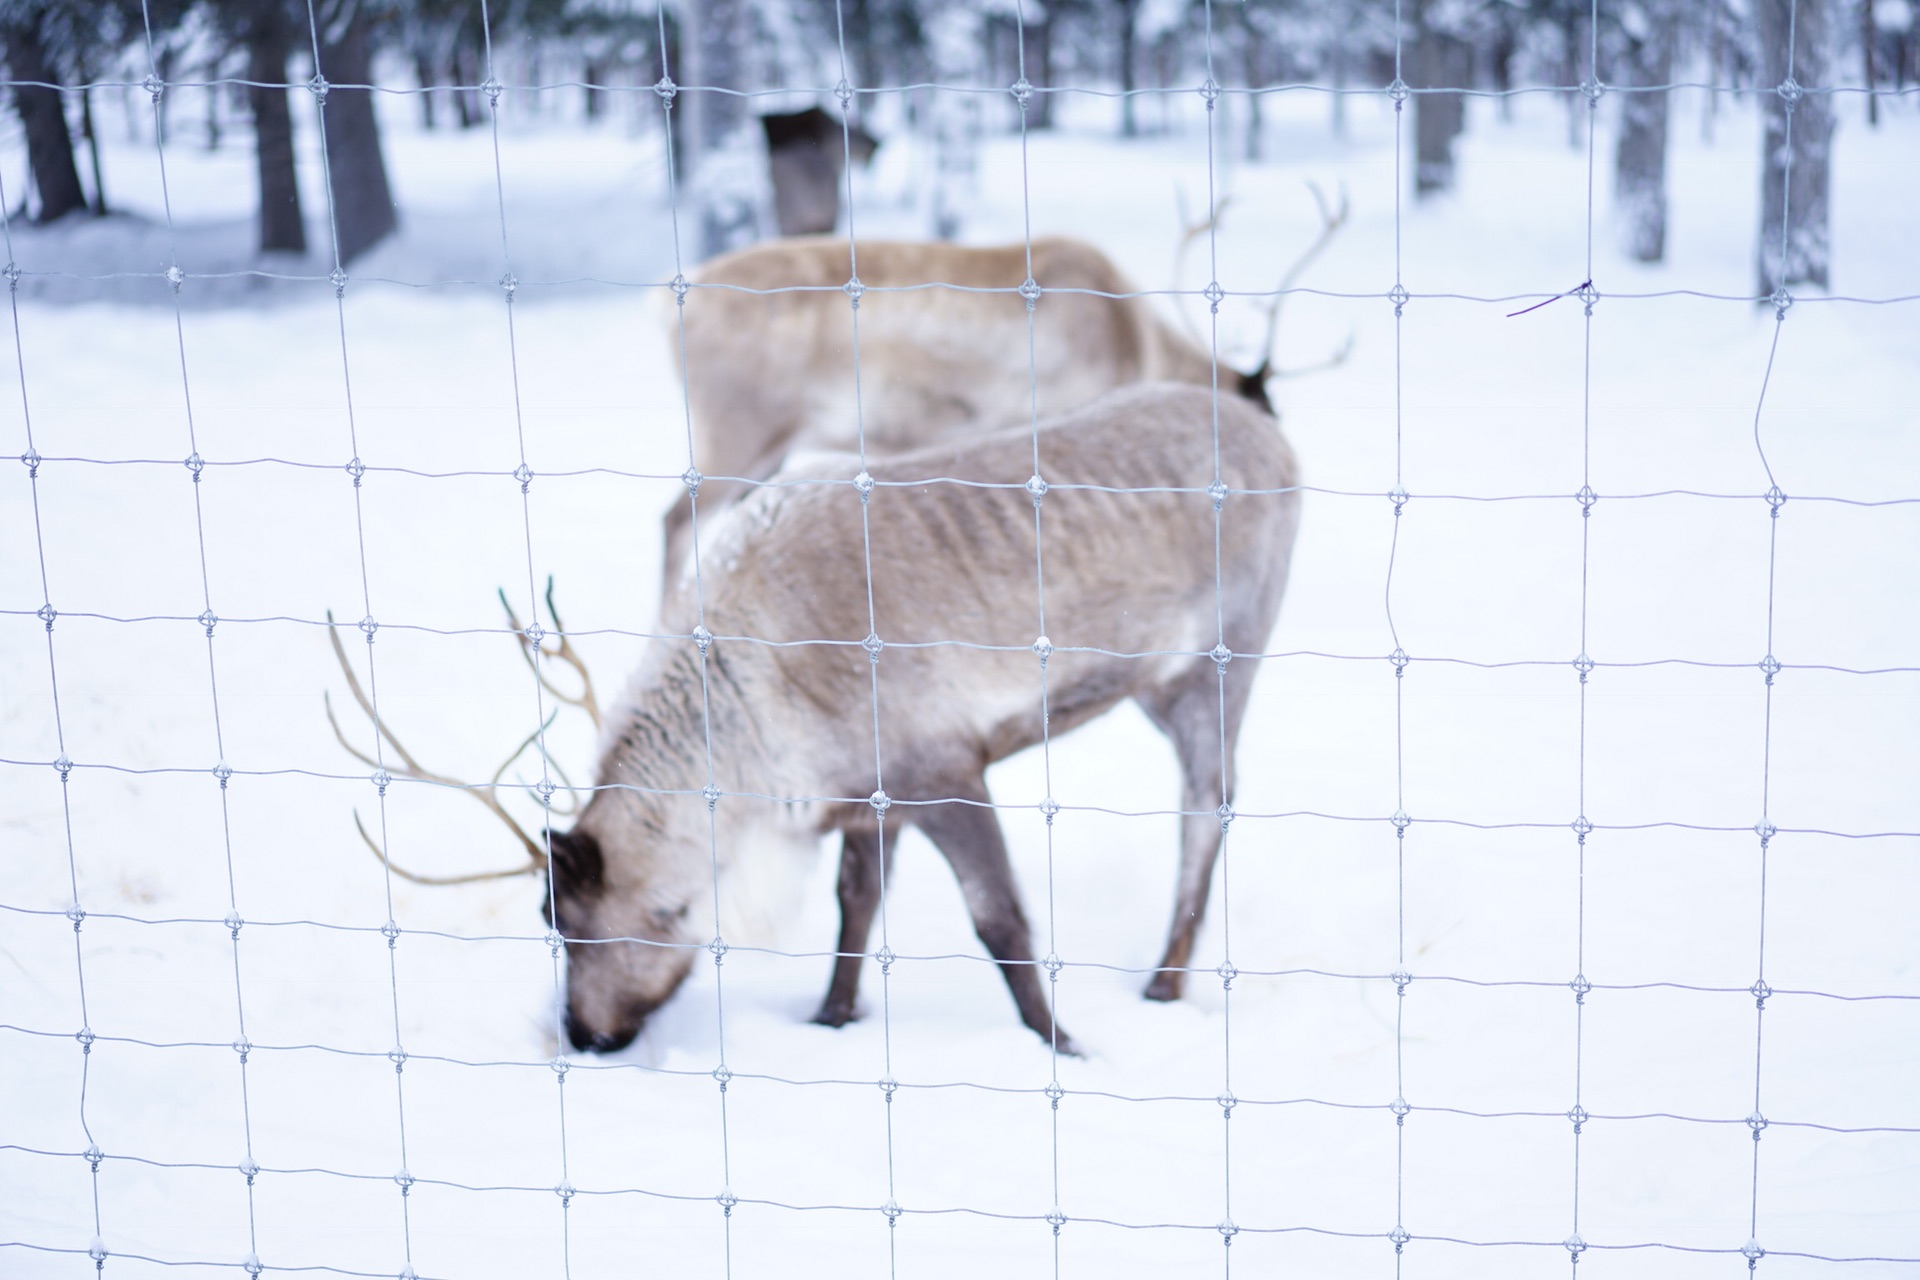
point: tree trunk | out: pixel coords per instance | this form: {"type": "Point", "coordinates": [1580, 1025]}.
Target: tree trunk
{"type": "Point", "coordinates": [423, 72]}
{"type": "Point", "coordinates": [1129, 33]}
{"type": "Point", "coordinates": [363, 211]}
{"type": "Point", "coordinates": [1795, 41]}
{"type": "Point", "coordinates": [1640, 159]}
{"type": "Point", "coordinates": [92, 136]}
{"type": "Point", "coordinates": [714, 43]}
{"type": "Point", "coordinates": [1040, 72]}
{"type": "Point", "coordinates": [1440, 61]}
{"type": "Point", "coordinates": [43, 118]}
{"type": "Point", "coordinates": [1869, 35]}
{"type": "Point", "coordinates": [282, 229]}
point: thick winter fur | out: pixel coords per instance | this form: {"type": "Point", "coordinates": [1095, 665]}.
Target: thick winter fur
{"type": "Point", "coordinates": [791, 712]}
{"type": "Point", "coordinates": [769, 373]}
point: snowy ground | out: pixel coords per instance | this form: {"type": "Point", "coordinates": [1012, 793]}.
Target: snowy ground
{"type": "Point", "coordinates": [1677, 754]}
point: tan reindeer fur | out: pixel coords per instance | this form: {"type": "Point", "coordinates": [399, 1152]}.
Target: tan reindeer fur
{"type": "Point", "coordinates": [1125, 573]}
{"type": "Point", "coordinates": [768, 373]}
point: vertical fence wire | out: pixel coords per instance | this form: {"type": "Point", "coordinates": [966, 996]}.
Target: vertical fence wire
{"type": "Point", "coordinates": [702, 639]}
{"type": "Point", "coordinates": [536, 656]}
{"type": "Point", "coordinates": [208, 620]}
{"type": "Point", "coordinates": [63, 766]}
{"type": "Point", "coordinates": [356, 471]}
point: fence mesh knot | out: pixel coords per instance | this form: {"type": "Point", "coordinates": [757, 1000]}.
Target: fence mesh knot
{"type": "Point", "coordinates": [711, 794]}
{"type": "Point", "coordinates": [1399, 92]}
{"type": "Point", "coordinates": [1214, 295]}
{"type": "Point", "coordinates": [492, 88]}
{"type": "Point", "coordinates": [1586, 497]}
{"type": "Point", "coordinates": [13, 276]}
{"type": "Point", "coordinates": [194, 463]}
{"type": "Point", "coordinates": [702, 638]}
{"type": "Point", "coordinates": [356, 469]}
{"type": "Point", "coordinates": [1049, 808]}
{"type": "Point", "coordinates": [318, 86]}
{"type": "Point", "coordinates": [888, 1087]}
{"type": "Point", "coordinates": [1769, 667]}
{"type": "Point", "coordinates": [249, 1169]}
{"type": "Point", "coordinates": [338, 279]}
{"type": "Point", "coordinates": [31, 461]}
{"type": "Point", "coordinates": [403, 1179]}
{"type": "Point", "coordinates": [155, 86]}
{"type": "Point", "coordinates": [1399, 1237]}
{"type": "Point", "coordinates": [63, 767]}
{"type": "Point", "coordinates": [881, 802]}
{"type": "Point", "coordinates": [97, 1250]}
{"type": "Point", "coordinates": [545, 789]}
{"type": "Point", "coordinates": [873, 644]}
{"type": "Point", "coordinates": [1752, 1251]}
{"type": "Point", "coordinates": [1780, 300]}
{"type": "Point", "coordinates": [1218, 492]}
{"type": "Point", "coordinates": [726, 1200]}
{"type": "Point", "coordinates": [893, 1211]}
{"type": "Point", "coordinates": [844, 92]}
{"type": "Point", "coordinates": [1580, 986]}
{"type": "Point", "coordinates": [1227, 1230]}
{"type": "Point", "coordinates": [1037, 487]}
{"type": "Point", "coordinates": [1790, 91]}
{"type": "Point", "coordinates": [252, 1265]}
{"type": "Point", "coordinates": [864, 484]}
{"type": "Point", "coordinates": [397, 1056]}
{"type": "Point", "coordinates": [1399, 297]}
{"type": "Point", "coordinates": [719, 949]}
{"type": "Point", "coordinates": [222, 772]}
{"type": "Point", "coordinates": [1227, 1102]}
{"type": "Point", "coordinates": [1756, 1122]}
{"type": "Point", "coordinates": [1400, 822]}
{"type": "Point", "coordinates": [1760, 991]}
{"type": "Point", "coordinates": [1210, 92]}
{"type": "Point", "coordinates": [176, 277]}
{"type": "Point", "coordinates": [94, 1155]}
{"type": "Point", "coordinates": [1056, 1220]}
{"type": "Point", "coordinates": [1053, 964]}
{"type": "Point", "coordinates": [85, 1034]}
{"type": "Point", "coordinates": [885, 957]}
{"type": "Point", "coordinates": [1043, 649]}
{"type": "Point", "coordinates": [243, 1047]}
{"type": "Point", "coordinates": [1398, 497]}
{"type": "Point", "coordinates": [1575, 1245]}
{"type": "Point", "coordinates": [1221, 656]}
{"type": "Point", "coordinates": [555, 941]}
{"type": "Point", "coordinates": [1030, 291]}
{"type": "Point", "coordinates": [854, 291]}
{"type": "Point", "coordinates": [1766, 831]}
{"type": "Point", "coordinates": [1054, 1092]}
{"type": "Point", "coordinates": [1399, 659]}
{"type": "Point", "coordinates": [1225, 814]}
{"type": "Point", "coordinates": [666, 88]}
{"type": "Point", "coordinates": [233, 923]}
{"type": "Point", "coordinates": [1227, 974]}
{"type": "Point", "coordinates": [1578, 1114]}
{"type": "Point", "coordinates": [722, 1075]}
{"type": "Point", "coordinates": [76, 913]}
{"type": "Point", "coordinates": [1400, 979]}
{"type": "Point", "coordinates": [524, 474]}
{"type": "Point", "coordinates": [1582, 828]}
{"type": "Point", "coordinates": [560, 1065]}
{"type": "Point", "coordinates": [1400, 1107]}
{"type": "Point", "coordinates": [1584, 665]}
{"type": "Point", "coordinates": [1022, 92]}
{"type": "Point", "coordinates": [1592, 90]}
{"type": "Point", "coordinates": [565, 1191]}
{"type": "Point", "coordinates": [46, 613]}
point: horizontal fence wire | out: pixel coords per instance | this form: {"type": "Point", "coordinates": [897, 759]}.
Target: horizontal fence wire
{"type": "Point", "coordinates": [178, 279]}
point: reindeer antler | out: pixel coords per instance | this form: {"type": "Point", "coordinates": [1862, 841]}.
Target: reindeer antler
{"type": "Point", "coordinates": [411, 768]}
{"type": "Point", "coordinates": [1191, 231]}
{"type": "Point", "coordinates": [565, 653]}
{"type": "Point", "coordinates": [1331, 220]}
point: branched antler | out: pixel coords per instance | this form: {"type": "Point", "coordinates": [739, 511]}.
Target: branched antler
{"type": "Point", "coordinates": [1331, 220]}
{"type": "Point", "coordinates": [1191, 231]}
{"type": "Point", "coordinates": [565, 653]}
{"type": "Point", "coordinates": [411, 768]}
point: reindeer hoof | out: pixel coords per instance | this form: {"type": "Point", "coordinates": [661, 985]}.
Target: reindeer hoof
{"type": "Point", "coordinates": [835, 1015]}
{"type": "Point", "coordinates": [1166, 985]}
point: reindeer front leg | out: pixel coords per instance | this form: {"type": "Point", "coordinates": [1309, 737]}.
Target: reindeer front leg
{"type": "Point", "coordinates": [862, 881]}
{"type": "Point", "coordinates": [968, 835]}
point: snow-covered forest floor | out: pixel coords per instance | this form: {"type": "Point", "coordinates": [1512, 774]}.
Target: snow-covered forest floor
{"type": "Point", "coordinates": [1681, 759]}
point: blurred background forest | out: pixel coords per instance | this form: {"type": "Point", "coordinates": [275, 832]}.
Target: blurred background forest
{"type": "Point", "coordinates": [249, 74]}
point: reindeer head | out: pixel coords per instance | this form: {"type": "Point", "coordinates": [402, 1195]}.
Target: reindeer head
{"type": "Point", "coordinates": [631, 924]}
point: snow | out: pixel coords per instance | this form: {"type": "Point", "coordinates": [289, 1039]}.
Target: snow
{"type": "Point", "coordinates": [443, 392]}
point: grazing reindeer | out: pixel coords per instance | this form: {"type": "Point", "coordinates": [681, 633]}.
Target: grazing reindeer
{"type": "Point", "coordinates": [950, 619]}
{"type": "Point", "coordinates": [945, 344]}
{"type": "Point", "coordinates": [783, 643]}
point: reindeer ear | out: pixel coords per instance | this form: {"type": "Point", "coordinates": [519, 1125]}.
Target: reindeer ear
{"type": "Point", "coordinates": [577, 863]}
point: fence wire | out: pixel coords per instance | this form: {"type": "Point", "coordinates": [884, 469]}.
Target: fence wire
{"type": "Point", "coordinates": [902, 1209]}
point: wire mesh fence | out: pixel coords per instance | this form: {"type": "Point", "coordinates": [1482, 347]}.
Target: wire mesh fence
{"type": "Point", "coordinates": [739, 1087]}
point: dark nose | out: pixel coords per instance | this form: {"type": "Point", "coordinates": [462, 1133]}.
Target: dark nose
{"type": "Point", "coordinates": [586, 1038]}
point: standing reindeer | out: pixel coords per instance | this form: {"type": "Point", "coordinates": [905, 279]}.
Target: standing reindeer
{"type": "Point", "coordinates": [945, 343]}
{"type": "Point", "coordinates": [1153, 560]}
